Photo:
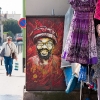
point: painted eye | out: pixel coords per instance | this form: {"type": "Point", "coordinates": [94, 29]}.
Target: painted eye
{"type": "Point", "coordinates": [39, 44]}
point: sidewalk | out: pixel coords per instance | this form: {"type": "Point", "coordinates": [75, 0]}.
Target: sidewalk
{"type": "Point", "coordinates": [11, 88]}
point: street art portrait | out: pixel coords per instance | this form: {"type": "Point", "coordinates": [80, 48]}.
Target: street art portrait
{"type": "Point", "coordinates": [44, 37]}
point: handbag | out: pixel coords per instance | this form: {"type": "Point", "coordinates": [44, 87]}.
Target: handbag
{"type": "Point", "coordinates": [16, 66]}
{"type": "Point", "coordinates": [72, 84]}
{"type": "Point", "coordinates": [67, 74]}
{"type": "Point", "coordinates": [71, 80]}
{"type": "Point", "coordinates": [13, 56]}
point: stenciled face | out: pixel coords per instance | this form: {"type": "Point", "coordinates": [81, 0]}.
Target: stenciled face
{"type": "Point", "coordinates": [98, 29]}
{"type": "Point", "coordinates": [44, 48]}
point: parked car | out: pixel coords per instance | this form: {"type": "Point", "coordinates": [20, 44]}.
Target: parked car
{"type": "Point", "coordinates": [19, 37]}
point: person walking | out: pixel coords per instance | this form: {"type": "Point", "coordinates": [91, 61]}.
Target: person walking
{"type": "Point", "coordinates": [9, 48]}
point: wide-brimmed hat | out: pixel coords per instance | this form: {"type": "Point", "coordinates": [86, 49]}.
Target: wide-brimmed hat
{"type": "Point", "coordinates": [43, 32]}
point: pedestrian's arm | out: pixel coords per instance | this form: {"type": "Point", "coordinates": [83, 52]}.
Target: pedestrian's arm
{"type": "Point", "coordinates": [3, 46]}
{"type": "Point", "coordinates": [2, 52]}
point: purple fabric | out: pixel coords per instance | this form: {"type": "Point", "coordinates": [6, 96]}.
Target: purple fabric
{"type": "Point", "coordinates": [80, 45]}
{"type": "Point", "coordinates": [93, 60]}
{"type": "Point", "coordinates": [64, 55]}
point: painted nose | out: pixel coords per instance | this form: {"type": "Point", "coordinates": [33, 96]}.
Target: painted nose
{"type": "Point", "coordinates": [44, 46]}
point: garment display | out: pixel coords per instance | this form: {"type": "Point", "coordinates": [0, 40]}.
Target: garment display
{"type": "Point", "coordinates": [97, 10]}
{"type": "Point", "coordinates": [80, 47]}
{"type": "Point", "coordinates": [80, 44]}
{"type": "Point", "coordinates": [96, 67]}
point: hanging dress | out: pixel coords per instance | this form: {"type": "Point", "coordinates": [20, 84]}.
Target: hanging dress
{"type": "Point", "coordinates": [80, 44]}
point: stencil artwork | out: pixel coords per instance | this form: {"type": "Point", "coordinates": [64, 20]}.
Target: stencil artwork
{"type": "Point", "coordinates": [44, 36]}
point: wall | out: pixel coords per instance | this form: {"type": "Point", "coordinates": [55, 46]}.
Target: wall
{"type": "Point", "coordinates": [44, 7]}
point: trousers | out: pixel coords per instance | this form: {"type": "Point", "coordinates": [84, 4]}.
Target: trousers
{"type": "Point", "coordinates": [8, 61]}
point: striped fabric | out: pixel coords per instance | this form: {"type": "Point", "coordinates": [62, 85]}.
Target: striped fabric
{"type": "Point", "coordinates": [97, 10]}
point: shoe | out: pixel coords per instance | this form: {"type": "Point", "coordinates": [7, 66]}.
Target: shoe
{"type": "Point", "coordinates": [6, 74]}
{"type": "Point", "coordinates": [10, 75]}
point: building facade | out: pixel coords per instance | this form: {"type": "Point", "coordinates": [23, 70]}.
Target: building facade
{"type": "Point", "coordinates": [12, 16]}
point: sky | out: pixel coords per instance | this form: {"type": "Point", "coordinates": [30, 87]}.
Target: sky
{"type": "Point", "coordinates": [11, 6]}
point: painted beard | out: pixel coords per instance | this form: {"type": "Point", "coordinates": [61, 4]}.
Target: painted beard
{"type": "Point", "coordinates": [44, 53]}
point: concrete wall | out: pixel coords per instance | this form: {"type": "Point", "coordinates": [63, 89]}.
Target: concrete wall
{"type": "Point", "coordinates": [44, 7]}
{"type": "Point", "coordinates": [59, 95]}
